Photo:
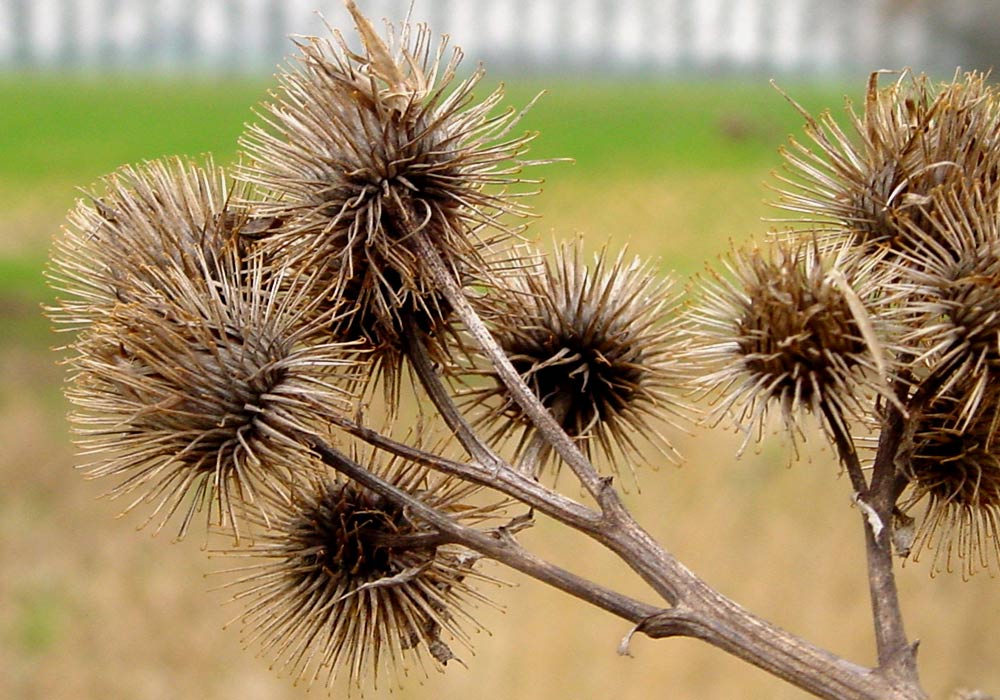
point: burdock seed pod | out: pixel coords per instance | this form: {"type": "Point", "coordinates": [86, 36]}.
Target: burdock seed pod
{"type": "Point", "coordinates": [913, 137]}
{"type": "Point", "coordinates": [360, 155]}
{"type": "Point", "coordinates": [954, 472]}
{"type": "Point", "coordinates": [346, 583]}
{"type": "Point", "coordinates": [598, 344]}
{"type": "Point", "coordinates": [198, 396]}
{"type": "Point", "coordinates": [787, 327]}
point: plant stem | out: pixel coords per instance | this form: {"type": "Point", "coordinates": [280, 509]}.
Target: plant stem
{"type": "Point", "coordinates": [896, 656]}
{"type": "Point", "coordinates": [416, 351]}
{"type": "Point", "coordinates": [506, 481]}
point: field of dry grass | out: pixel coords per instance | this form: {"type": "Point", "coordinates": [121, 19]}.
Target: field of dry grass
{"type": "Point", "coordinates": [93, 609]}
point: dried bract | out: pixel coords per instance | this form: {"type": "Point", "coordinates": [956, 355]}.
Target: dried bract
{"type": "Point", "coordinates": [598, 344]}
{"type": "Point", "coordinates": [350, 583]}
{"type": "Point", "coordinates": [788, 327]}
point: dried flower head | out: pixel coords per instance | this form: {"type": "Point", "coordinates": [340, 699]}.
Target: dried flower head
{"type": "Point", "coordinates": [789, 328]}
{"type": "Point", "coordinates": [597, 344]}
{"type": "Point", "coordinates": [165, 213]}
{"type": "Point", "coordinates": [197, 397]}
{"type": "Point", "coordinates": [945, 293]}
{"type": "Point", "coordinates": [912, 138]}
{"type": "Point", "coordinates": [362, 154]}
{"type": "Point", "coordinates": [954, 471]}
{"type": "Point", "coordinates": [350, 583]}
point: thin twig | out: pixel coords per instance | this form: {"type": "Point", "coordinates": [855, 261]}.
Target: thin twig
{"type": "Point", "coordinates": [846, 450]}
{"type": "Point", "coordinates": [416, 351]}
{"type": "Point", "coordinates": [507, 481]}
{"type": "Point", "coordinates": [533, 408]}
{"type": "Point", "coordinates": [495, 545]}
{"type": "Point", "coordinates": [896, 655]}
{"type": "Point", "coordinates": [533, 456]}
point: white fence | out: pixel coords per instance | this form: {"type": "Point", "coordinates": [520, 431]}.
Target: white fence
{"type": "Point", "coordinates": [670, 36]}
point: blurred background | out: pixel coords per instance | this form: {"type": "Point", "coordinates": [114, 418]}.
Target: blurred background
{"type": "Point", "coordinates": [666, 109]}
{"type": "Point", "coordinates": [651, 37]}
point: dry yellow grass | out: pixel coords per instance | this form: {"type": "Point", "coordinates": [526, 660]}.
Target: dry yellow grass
{"type": "Point", "coordinates": [96, 610]}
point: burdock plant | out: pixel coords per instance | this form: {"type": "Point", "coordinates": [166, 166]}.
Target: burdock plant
{"type": "Point", "coordinates": [229, 330]}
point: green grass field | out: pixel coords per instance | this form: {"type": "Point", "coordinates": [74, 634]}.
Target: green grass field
{"type": "Point", "coordinates": [655, 151]}
{"type": "Point", "coordinates": [61, 129]}
{"type": "Point", "coordinates": [93, 609]}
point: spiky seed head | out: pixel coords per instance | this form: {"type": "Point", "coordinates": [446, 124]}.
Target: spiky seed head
{"type": "Point", "coordinates": [171, 212]}
{"type": "Point", "coordinates": [788, 327]}
{"type": "Point", "coordinates": [597, 344]}
{"type": "Point", "coordinates": [944, 291]}
{"type": "Point", "coordinates": [360, 153]}
{"type": "Point", "coordinates": [954, 473]}
{"type": "Point", "coordinates": [346, 583]}
{"type": "Point", "coordinates": [198, 396]}
{"type": "Point", "coordinates": [913, 137]}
